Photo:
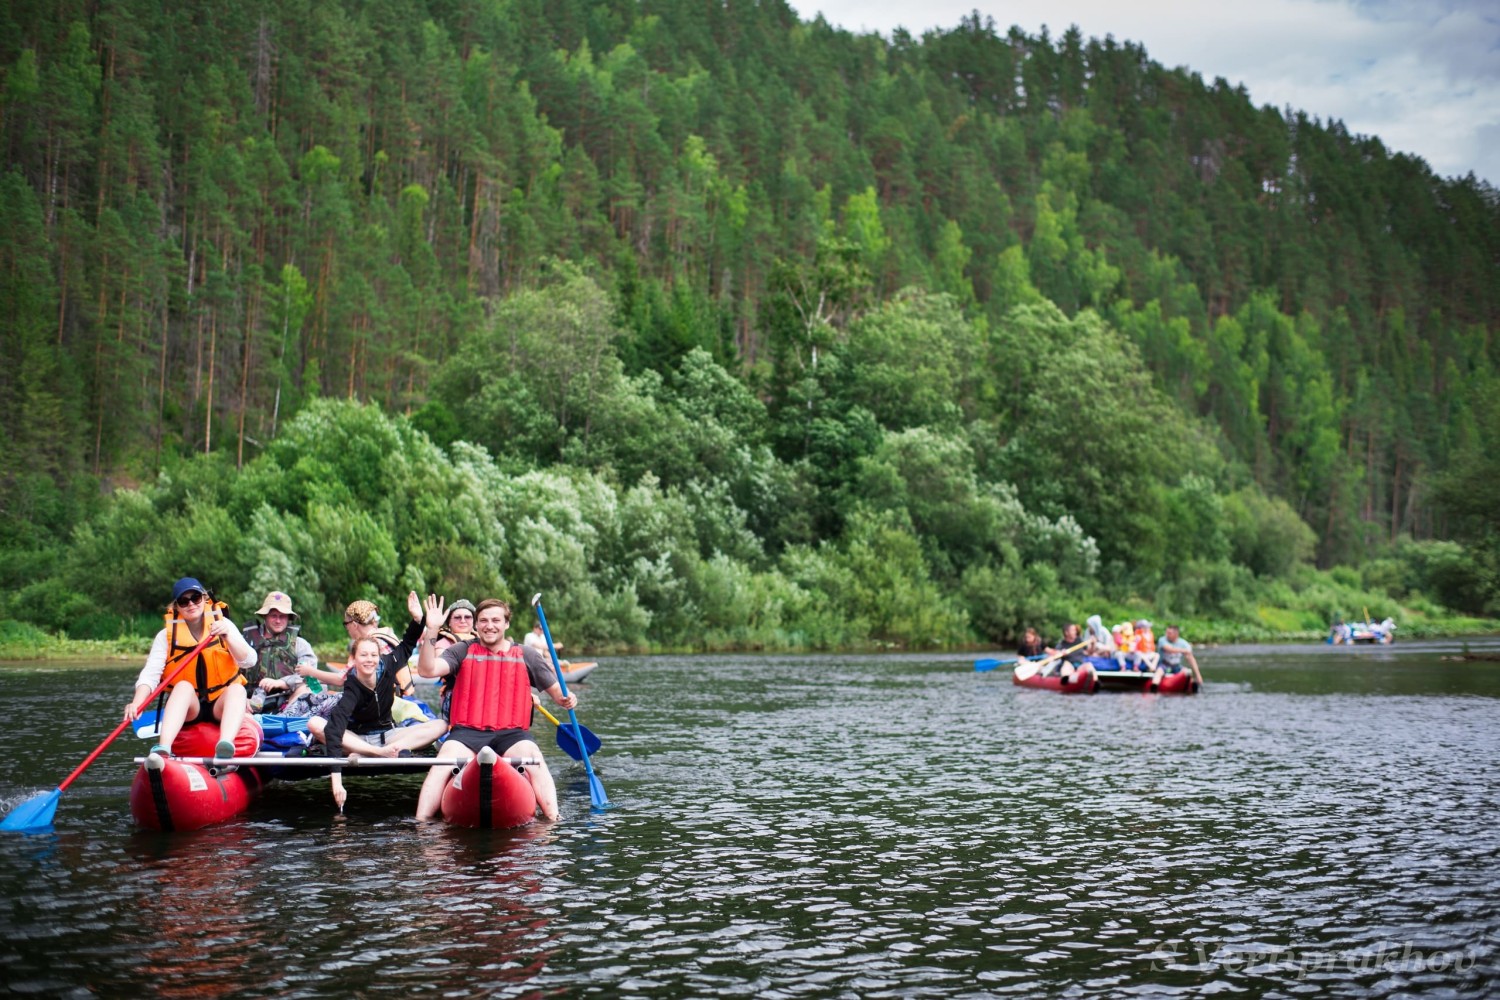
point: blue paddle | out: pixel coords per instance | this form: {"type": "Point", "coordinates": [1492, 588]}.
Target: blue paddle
{"type": "Point", "coordinates": [565, 739]}
{"type": "Point", "coordinates": [984, 665]}
{"type": "Point", "coordinates": [36, 813]}
{"type": "Point", "coordinates": [596, 787]}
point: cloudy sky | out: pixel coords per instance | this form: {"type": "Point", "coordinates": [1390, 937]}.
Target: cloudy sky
{"type": "Point", "coordinates": [1423, 75]}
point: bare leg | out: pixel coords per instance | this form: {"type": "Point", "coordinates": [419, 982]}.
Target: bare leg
{"type": "Point", "coordinates": [430, 799]}
{"type": "Point", "coordinates": [416, 737]}
{"type": "Point", "coordinates": [315, 726]}
{"type": "Point", "coordinates": [540, 778]}
{"type": "Point", "coordinates": [180, 709]}
{"type": "Point", "coordinates": [229, 707]}
{"type": "Point", "coordinates": [361, 747]}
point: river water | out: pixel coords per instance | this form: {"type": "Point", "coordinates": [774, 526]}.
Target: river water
{"type": "Point", "coordinates": [1320, 820]}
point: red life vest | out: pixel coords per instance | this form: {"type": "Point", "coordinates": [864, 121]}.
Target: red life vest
{"type": "Point", "coordinates": [492, 690]}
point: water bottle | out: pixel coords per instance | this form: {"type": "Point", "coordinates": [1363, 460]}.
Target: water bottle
{"type": "Point", "coordinates": [313, 684]}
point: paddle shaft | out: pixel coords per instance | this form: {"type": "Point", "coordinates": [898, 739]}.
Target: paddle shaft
{"type": "Point", "coordinates": [331, 763]}
{"type": "Point", "coordinates": [1055, 656]}
{"type": "Point", "coordinates": [172, 679]}
{"type": "Point", "coordinates": [596, 787]}
{"type": "Point", "coordinates": [992, 664]}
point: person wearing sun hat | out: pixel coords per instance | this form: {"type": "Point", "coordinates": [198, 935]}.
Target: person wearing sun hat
{"type": "Point", "coordinates": [211, 683]}
{"type": "Point", "coordinates": [280, 651]}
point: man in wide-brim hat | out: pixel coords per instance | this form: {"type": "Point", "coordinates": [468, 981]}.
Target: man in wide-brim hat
{"type": "Point", "coordinates": [279, 650]}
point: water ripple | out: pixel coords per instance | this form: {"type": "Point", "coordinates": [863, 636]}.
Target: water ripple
{"type": "Point", "coordinates": [826, 826]}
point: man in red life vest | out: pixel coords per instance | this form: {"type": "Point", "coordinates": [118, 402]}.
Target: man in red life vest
{"type": "Point", "coordinates": [492, 679]}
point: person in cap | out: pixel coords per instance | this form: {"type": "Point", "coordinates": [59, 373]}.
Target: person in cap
{"type": "Point", "coordinates": [210, 681]}
{"type": "Point", "coordinates": [491, 702]}
{"type": "Point", "coordinates": [362, 621]}
{"type": "Point", "coordinates": [1145, 646]}
{"type": "Point", "coordinates": [279, 650]}
{"type": "Point", "coordinates": [1124, 636]}
{"type": "Point", "coordinates": [459, 627]}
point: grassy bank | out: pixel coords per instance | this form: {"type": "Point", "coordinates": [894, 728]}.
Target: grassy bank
{"type": "Point", "coordinates": [20, 641]}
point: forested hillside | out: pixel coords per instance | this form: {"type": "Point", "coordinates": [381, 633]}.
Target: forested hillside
{"type": "Point", "coordinates": [794, 336]}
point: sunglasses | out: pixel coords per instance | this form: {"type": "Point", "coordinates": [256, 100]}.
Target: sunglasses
{"type": "Point", "coordinates": [189, 599]}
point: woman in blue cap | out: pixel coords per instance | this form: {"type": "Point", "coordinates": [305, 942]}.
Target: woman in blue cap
{"type": "Point", "coordinates": [212, 684]}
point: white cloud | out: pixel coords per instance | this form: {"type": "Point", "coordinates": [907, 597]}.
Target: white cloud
{"type": "Point", "coordinates": [1423, 75]}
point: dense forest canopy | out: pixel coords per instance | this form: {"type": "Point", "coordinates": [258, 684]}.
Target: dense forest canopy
{"type": "Point", "coordinates": [737, 329]}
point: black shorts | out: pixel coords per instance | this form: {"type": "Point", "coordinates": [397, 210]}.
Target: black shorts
{"type": "Point", "coordinates": [498, 740]}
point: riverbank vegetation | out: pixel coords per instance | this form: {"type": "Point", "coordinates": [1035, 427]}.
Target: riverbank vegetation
{"type": "Point", "coordinates": [725, 330]}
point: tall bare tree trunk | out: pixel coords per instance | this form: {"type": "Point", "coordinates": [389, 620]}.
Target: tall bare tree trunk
{"type": "Point", "coordinates": [251, 318]}
{"type": "Point", "coordinates": [161, 378]}
{"type": "Point", "coordinates": [208, 408]}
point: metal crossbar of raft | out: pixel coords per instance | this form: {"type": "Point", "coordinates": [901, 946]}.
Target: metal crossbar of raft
{"type": "Point", "coordinates": [332, 763]}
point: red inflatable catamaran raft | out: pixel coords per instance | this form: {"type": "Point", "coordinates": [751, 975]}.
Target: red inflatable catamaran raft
{"type": "Point", "coordinates": [191, 790]}
{"type": "Point", "coordinates": [175, 794]}
{"type": "Point", "coordinates": [1083, 680]}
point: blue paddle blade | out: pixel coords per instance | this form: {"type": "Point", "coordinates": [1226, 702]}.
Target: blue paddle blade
{"type": "Point", "coordinates": [596, 792]}
{"type": "Point", "coordinates": [34, 815]}
{"type": "Point", "coordinates": [568, 744]}
{"type": "Point", "coordinates": [146, 726]}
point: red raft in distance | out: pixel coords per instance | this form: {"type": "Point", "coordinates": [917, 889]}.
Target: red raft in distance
{"type": "Point", "coordinates": [1112, 678]}
{"type": "Point", "coordinates": [1083, 681]}
{"type": "Point", "coordinates": [177, 795]}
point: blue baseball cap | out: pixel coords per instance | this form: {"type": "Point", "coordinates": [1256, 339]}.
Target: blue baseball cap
{"type": "Point", "coordinates": [185, 585]}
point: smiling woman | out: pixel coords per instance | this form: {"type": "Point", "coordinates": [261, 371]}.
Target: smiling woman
{"type": "Point", "coordinates": [214, 686]}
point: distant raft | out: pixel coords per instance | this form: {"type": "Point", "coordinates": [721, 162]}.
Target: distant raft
{"type": "Point", "coordinates": [1083, 680]}
{"type": "Point", "coordinates": [1112, 678]}
{"type": "Point", "coordinates": [575, 672]}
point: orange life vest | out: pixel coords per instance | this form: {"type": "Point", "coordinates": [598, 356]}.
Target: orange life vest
{"type": "Point", "coordinates": [215, 669]}
{"type": "Point", "coordinates": [492, 690]}
{"type": "Point", "coordinates": [1145, 641]}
